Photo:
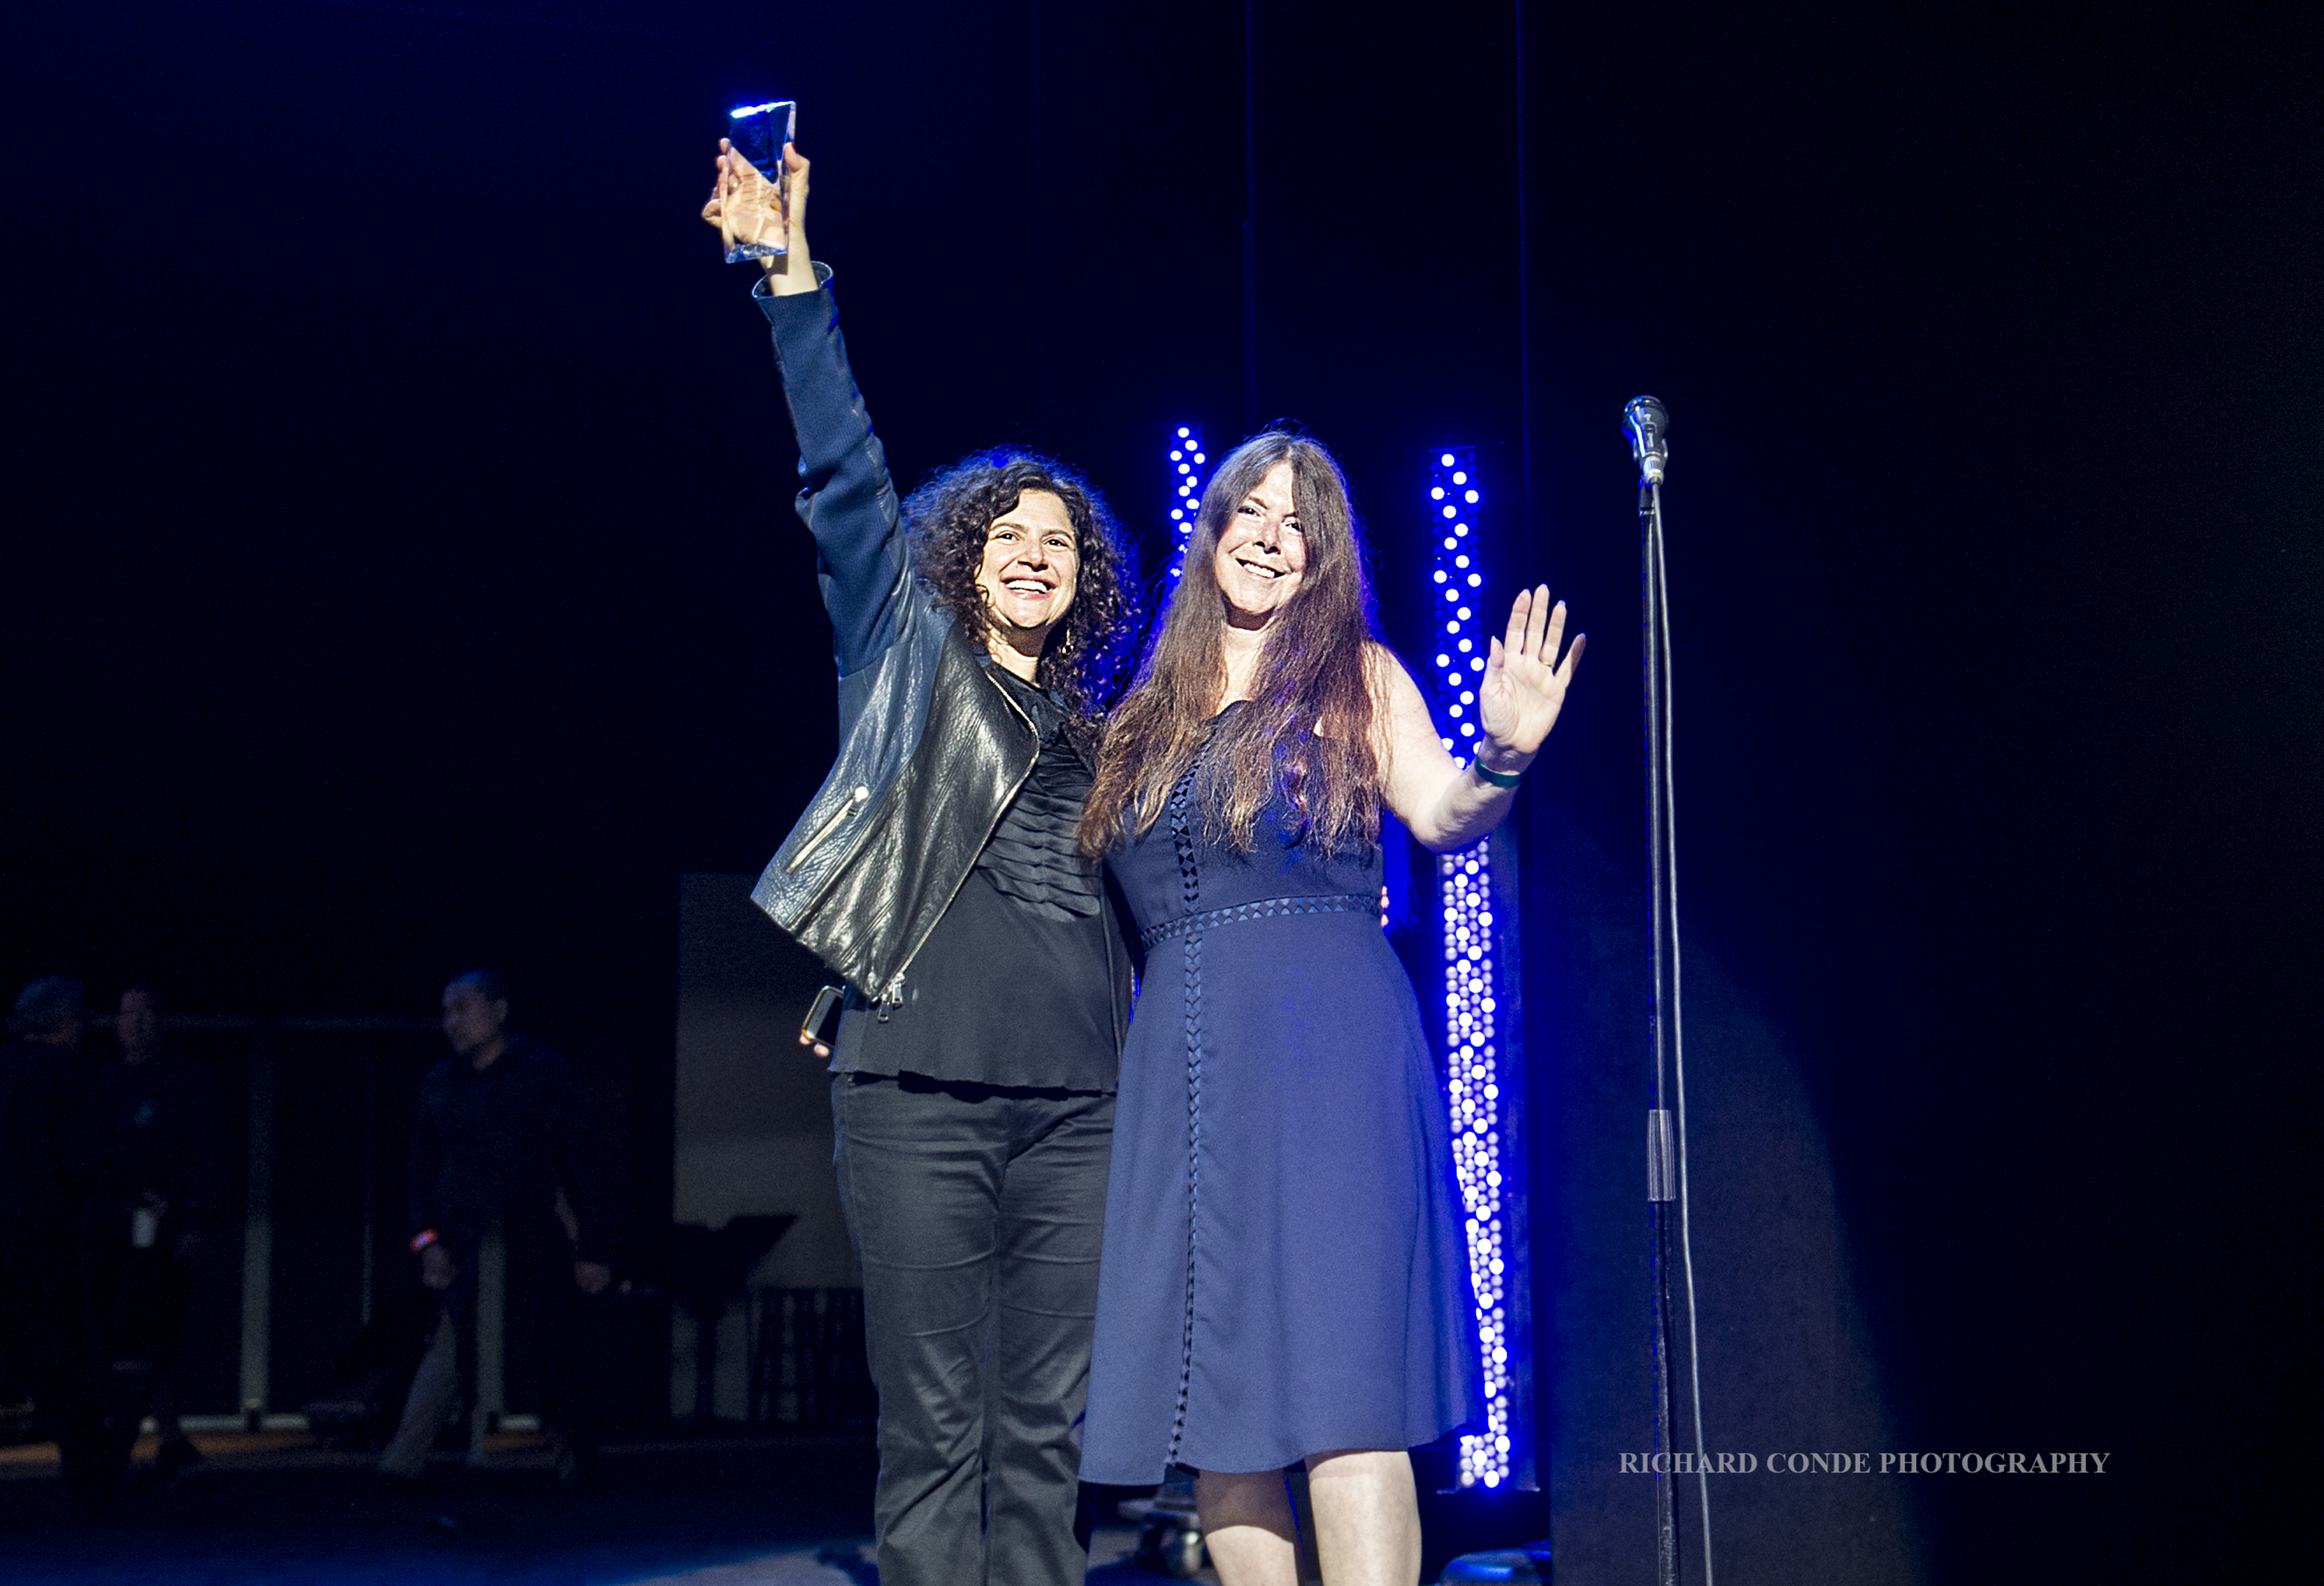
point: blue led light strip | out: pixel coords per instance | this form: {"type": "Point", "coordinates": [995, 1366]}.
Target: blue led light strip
{"type": "Point", "coordinates": [1187, 463]}
{"type": "Point", "coordinates": [1480, 1084]}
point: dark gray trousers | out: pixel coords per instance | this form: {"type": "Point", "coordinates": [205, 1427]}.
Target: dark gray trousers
{"type": "Point", "coordinates": [976, 1213]}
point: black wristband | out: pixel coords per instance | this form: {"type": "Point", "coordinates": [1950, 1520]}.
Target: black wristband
{"type": "Point", "coordinates": [1498, 779]}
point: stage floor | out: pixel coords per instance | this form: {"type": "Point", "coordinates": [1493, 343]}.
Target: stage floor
{"type": "Point", "coordinates": [276, 1507]}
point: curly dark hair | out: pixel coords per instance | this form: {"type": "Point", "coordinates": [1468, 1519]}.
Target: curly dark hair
{"type": "Point", "coordinates": [948, 517]}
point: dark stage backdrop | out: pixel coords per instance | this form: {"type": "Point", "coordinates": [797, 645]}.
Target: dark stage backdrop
{"type": "Point", "coordinates": [1992, 347]}
{"type": "Point", "coordinates": [401, 575]}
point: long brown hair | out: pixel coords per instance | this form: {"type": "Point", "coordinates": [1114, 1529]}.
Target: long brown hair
{"type": "Point", "coordinates": [1307, 729]}
{"type": "Point", "coordinates": [949, 518]}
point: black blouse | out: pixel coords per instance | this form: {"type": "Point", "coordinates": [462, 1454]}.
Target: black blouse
{"type": "Point", "coordinates": [1012, 986]}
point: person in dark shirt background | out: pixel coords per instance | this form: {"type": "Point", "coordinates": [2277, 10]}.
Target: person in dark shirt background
{"type": "Point", "coordinates": [38, 1108]}
{"type": "Point", "coordinates": [502, 1128]}
{"type": "Point", "coordinates": [155, 1137]}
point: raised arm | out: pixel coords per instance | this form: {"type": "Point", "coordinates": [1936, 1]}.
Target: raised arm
{"type": "Point", "coordinates": [1448, 804]}
{"type": "Point", "coordinates": [848, 502]}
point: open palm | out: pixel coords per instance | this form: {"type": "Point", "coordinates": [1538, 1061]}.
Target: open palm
{"type": "Point", "coordinates": [1525, 682]}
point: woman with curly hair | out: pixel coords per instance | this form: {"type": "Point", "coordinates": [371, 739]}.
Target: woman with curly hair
{"type": "Point", "coordinates": [978, 630]}
{"type": "Point", "coordinates": [1285, 1278]}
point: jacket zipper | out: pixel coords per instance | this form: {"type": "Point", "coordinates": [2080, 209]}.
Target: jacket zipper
{"type": "Point", "coordinates": [895, 992]}
{"type": "Point", "coordinates": [854, 802]}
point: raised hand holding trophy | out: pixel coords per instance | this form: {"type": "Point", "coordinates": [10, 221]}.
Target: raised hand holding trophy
{"type": "Point", "coordinates": [753, 195]}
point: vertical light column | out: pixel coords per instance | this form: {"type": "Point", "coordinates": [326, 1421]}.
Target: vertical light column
{"type": "Point", "coordinates": [1482, 1084]}
{"type": "Point", "coordinates": [1187, 463]}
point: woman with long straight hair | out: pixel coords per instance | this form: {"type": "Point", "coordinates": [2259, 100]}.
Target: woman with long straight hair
{"type": "Point", "coordinates": [1284, 1278]}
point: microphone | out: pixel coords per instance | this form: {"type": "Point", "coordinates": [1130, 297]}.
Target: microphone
{"type": "Point", "coordinates": [1647, 423]}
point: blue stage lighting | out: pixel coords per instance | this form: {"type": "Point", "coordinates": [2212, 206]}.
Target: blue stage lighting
{"type": "Point", "coordinates": [1484, 1075]}
{"type": "Point", "coordinates": [1187, 459]}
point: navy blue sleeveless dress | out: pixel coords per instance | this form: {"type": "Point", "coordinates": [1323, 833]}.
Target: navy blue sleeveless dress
{"type": "Point", "coordinates": [1284, 1272]}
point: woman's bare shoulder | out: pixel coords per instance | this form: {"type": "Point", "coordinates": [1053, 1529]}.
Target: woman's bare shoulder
{"type": "Point", "coordinates": [1385, 671]}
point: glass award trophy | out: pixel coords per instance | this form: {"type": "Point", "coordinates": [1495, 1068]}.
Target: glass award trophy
{"type": "Point", "coordinates": [756, 218]}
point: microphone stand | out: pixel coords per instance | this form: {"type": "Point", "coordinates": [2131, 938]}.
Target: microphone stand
{"type": "Point", "coordinates": [1669, 1246]}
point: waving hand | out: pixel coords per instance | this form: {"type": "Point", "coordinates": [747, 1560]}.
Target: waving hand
{"type": "Point", "coordinates": [1525, 682]}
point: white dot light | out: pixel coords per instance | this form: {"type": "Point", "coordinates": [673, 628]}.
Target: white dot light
{"type": "Point", "coordinates": [1185, 450]}
{"type": "Point", "coordinates": [1475, 1086]}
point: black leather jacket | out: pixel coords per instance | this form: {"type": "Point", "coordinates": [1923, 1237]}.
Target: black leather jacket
{"type": "Point", "coordinates": [931, 750]}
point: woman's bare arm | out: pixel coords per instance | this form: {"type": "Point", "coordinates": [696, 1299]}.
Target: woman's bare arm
{"type": "Point", "coordinates": [1443, 802]}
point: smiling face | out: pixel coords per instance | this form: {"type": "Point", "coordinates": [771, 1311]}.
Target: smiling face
{"type": "Point", "coordinates": [1262, 550]}
{"type": "Point", "coordinates": [1031, 566]}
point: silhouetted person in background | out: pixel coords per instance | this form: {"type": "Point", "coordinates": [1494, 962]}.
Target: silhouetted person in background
{"type": "Point", "coordinates": [40, 1115]}
{"type": "Point", "coordinates": [502, 1128]}
{"type": "Point", "coordinates": [154, 1172]}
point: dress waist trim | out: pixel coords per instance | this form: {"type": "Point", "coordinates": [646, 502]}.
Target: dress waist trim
{"type": "Point", "coordinates": [1310, 903]}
